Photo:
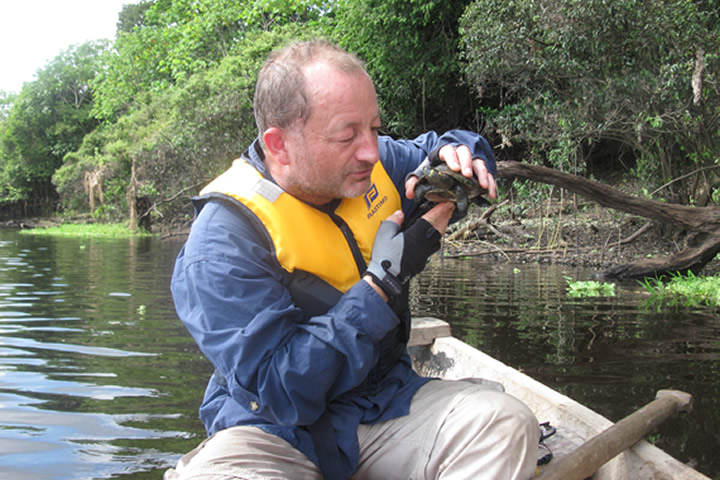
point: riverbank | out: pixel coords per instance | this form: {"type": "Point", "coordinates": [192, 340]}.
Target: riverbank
{"type": "Point", "coordinates": [594, 238]}
{"type": "Point", "coordinates": [598, 239]}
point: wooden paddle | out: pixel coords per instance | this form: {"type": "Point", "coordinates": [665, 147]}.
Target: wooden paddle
{"type": "Point", "coordinates": [603, 447]}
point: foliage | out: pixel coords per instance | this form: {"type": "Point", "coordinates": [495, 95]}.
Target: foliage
{"type": "Point", "coordinates": [117, 230]}
{"type": "Point", "coordinates": [587, 76]}
{"type": "Point", "coordinates": [411, 51]}
{"type": "Point", "coordinates": [589, 288]}
{"type": "Point", "coordinates": [172, 40]}
{"type": "Point", "coordinates": [47, 119]}
{"type": "Point", "coordinates": [6, 102]}
{"type": "Point", "coordinates": [684, 290]}
{"type": "Point", "coordinates": [170, 104]}
{"type": "Point", "coordinates": [102, 156]}
{"type": "Point", "coordinates": [133, 15]}
{"type": "Point", "coordinates": [179, 137]}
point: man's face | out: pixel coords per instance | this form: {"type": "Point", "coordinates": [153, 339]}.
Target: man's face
{"type": "Point", "coordinates": [333, 153]}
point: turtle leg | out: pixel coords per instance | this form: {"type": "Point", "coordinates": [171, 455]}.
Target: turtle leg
{"type": "Point", "coordinates": [420, 191]}
{"type": "Point", "coordinates": [461, 201]}
{"type": "Point", "coordinates": [481, 201]}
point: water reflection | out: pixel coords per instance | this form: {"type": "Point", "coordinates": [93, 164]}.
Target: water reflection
{"type": "Point", "coordinates": [610, 353]}
{"type": "Point", "coordinates": [94, 367]}
{"type": "Point", "coordinates": [99, 379]}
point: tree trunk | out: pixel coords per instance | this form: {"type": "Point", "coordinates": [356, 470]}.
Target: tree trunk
{"type": "Point", "coordinates": [702, 223]}
{"type": "Point", "coordinates": [131, 195]}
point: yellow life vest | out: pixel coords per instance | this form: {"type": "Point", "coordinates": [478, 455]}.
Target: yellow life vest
{"type": "Point", "coordinates": [304, 237]}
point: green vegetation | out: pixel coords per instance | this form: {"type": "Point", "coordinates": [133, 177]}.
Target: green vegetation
{"type": "Point", "coordinates": [589, 288]}
{"type": "Point", "coordinates": [684, 291]}
{"type": "Point", "coordinates": [589, 85]}
{"type": "Point", "coordinates": [116, 230]}
{"type": "Point", "coordinates": [411, 48]}
{"type": "Point", "coordinates": [128, 130]}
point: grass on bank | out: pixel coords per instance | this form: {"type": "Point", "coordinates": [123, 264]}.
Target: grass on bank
{"type": "Point", "coordinates": [115, 230]}
{"type": "Point", "coordinates": [685, 291]}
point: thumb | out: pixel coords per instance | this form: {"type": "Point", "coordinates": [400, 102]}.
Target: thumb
{"type": "Point", "coordinates": [439, 216]}
{"type": "Point", "coordinates": [396, 217]}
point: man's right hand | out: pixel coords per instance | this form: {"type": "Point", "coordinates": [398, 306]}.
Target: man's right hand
{"type": "Point", "coordinates": [399, 255]}
{"type": "Point", "coordinates": [459, 159]}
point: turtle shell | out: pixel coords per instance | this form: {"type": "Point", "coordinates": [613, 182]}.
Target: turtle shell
{"type": "Point", "coordinates": [441, 184]}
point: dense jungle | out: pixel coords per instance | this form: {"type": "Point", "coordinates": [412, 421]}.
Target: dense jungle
{"type": "Point", "coordinates": [621, 93]}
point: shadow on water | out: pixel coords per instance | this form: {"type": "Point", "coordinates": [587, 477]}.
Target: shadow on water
{"type": "Point", "coordinates": [99, 379]}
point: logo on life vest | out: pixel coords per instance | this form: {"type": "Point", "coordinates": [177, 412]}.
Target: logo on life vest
{"type": "Point", "coordinates": [370, 197]}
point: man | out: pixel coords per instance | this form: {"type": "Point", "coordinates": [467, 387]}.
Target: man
{"type": "Point", "coordinates": [296, 289]}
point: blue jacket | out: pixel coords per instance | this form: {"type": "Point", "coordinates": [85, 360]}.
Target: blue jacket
{"type": "Point", "coordinates": [275, 365]}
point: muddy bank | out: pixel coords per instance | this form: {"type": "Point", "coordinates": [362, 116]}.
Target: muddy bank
{"type": "Point", "coordinates": [596, 241]}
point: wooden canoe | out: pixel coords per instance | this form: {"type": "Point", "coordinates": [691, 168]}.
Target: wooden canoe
{"type": "Point", "coordinates": [436, 353]}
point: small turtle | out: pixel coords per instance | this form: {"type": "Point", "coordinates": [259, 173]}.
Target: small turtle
{"type": "Point", "coordinates": [440, 184]}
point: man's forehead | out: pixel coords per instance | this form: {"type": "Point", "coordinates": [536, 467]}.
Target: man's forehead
{"type": "Point", "coordinates": [341, 95]}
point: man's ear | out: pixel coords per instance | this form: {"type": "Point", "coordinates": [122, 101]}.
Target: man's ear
{"type": "Point", "coordinates": [275, 141]}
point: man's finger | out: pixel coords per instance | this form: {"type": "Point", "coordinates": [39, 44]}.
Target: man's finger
{"type": "Point", "coordinates": [466, 160]}
{"type": "Point", "coordinates": [485, 178]}
{"type": "Point", "coordinates": [397, 216]}
{"type": "Point", "coordinates": [481, 172]}
{"type": "Point", "coordinates": [439, 215]}
{"type": "Point", "coordinates": [449, 155]}
{"type": "Point", "coordinates": [410, 187]}
{"type": "Point", "coordinates": [492, 187]}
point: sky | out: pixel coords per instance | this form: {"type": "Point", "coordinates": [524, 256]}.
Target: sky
{"type": "Point", "coordinates": [33, 32]}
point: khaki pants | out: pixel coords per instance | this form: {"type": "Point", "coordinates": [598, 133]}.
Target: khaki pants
{"type": "Point", "coordinates": [455, 430]}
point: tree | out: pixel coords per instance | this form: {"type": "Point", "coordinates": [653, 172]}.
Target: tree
{"type": "Point", "coordinates": [180, 137]}
{"type": "Point", "coordinates": [48, 118]}
{"type": "Point", "coordinates": [133, 15]}
{"type": "Point", "coordinates": [411, 51]}
{"type": "Point", "coordinates": [6, 101]}
{"type": "Point", "coordinates": [570, 81]}
{"type": "Point", "coordinates": [172, 40]}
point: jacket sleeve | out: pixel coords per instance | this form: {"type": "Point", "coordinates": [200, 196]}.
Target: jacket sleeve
{"type": "Point", "coordinates": [230, 293]}
{"type": "Point", "coordinates": [401, 157]}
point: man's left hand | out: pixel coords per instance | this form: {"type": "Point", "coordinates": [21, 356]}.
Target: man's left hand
{"type": "Point", "coordinates": [460, 159]}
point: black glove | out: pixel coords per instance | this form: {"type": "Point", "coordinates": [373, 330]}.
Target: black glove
{"type": "Point", "coordinates": [397, 256]}
{"type": "Point", "coordinates": [432, 159]}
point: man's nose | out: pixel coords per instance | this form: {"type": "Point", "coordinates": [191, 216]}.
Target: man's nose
{"type": "Point", "coordinates": [368, 149]}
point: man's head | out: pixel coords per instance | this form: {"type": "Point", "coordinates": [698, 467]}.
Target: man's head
{"type": "Point", "coordinates": [281, 95]}
{"type": "Point", "coordinates": [318, 119]}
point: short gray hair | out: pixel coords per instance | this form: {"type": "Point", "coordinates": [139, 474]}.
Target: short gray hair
{"type": "Point", "coordinates": [281, 91]}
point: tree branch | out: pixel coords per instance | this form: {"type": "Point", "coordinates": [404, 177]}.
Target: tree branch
{"type": "Point", "coordinates": [703, 223]}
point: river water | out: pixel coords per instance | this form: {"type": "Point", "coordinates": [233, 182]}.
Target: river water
{"type": "Point", "coordinates": [98, 378]}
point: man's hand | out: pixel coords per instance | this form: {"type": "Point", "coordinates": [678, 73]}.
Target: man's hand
{"type": "Point", "coordinates": [439, 216]}
{"type": "Point", "coordinates": [399, 255]}
{"type": "Point", "coordinates": [460, 159]}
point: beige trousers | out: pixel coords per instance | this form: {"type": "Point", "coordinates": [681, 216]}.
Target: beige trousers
{"type": "Point", "coordinates": [455, 431]}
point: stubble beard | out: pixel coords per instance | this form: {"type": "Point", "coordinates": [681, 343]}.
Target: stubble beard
{"type": "Point", "coordinates": [314, 185]}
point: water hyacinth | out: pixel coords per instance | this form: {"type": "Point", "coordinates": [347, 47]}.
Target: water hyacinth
{"type": "Point", "coordinates": [685, 290]}
{"type": "Point", "coordinates": [589, 288]}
